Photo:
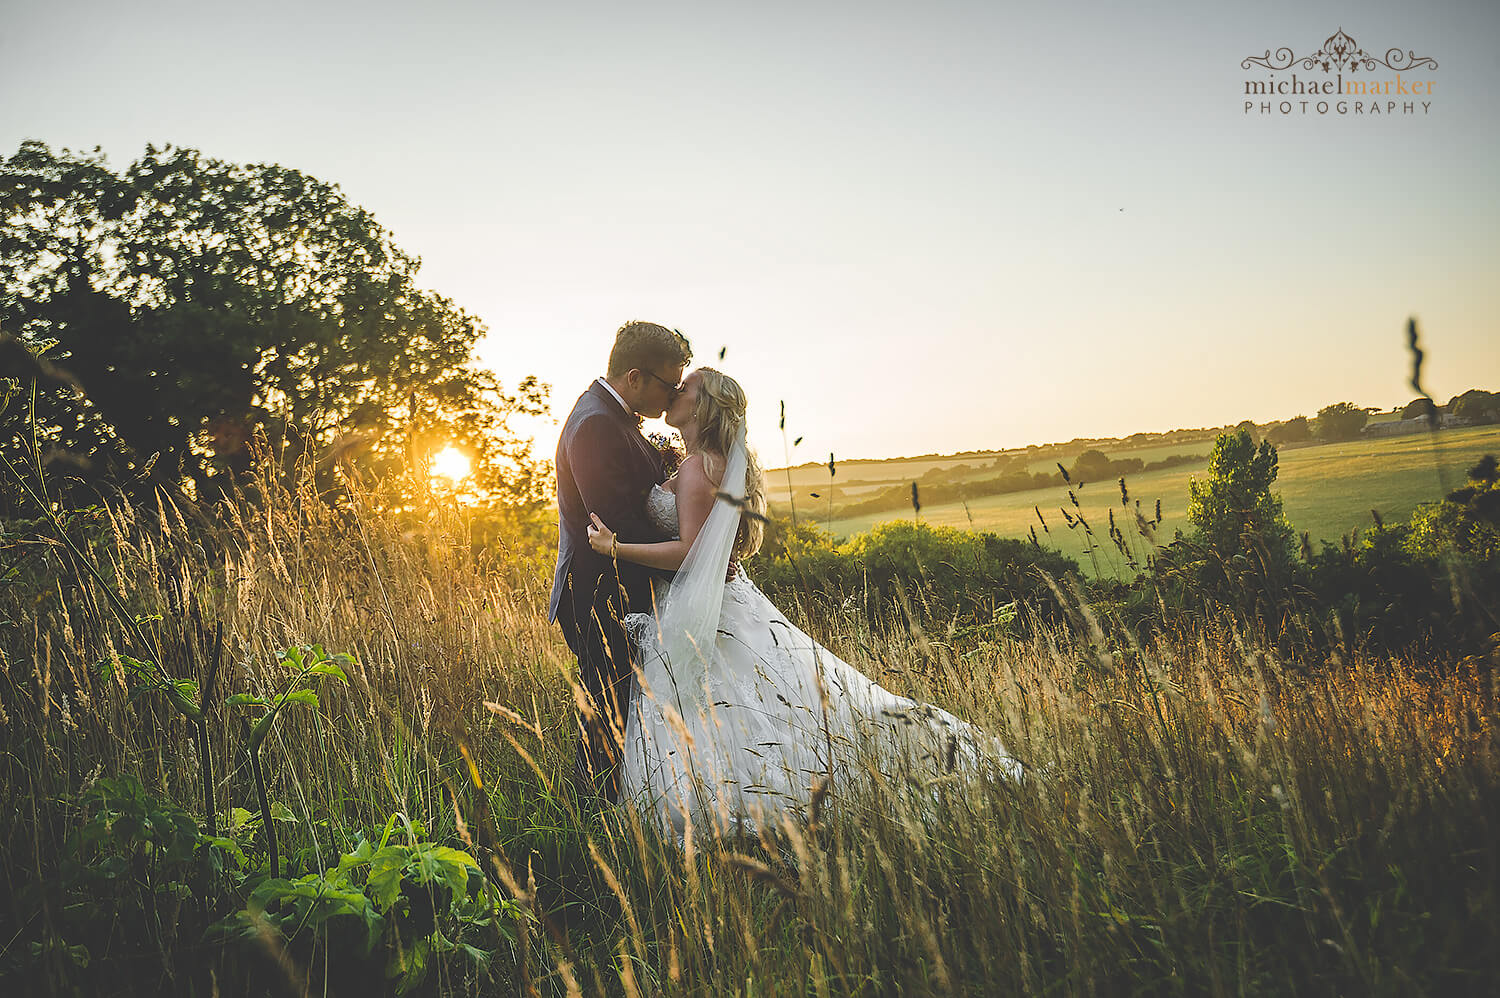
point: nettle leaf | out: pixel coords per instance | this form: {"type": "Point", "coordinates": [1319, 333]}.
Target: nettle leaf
{"type": "Point", "coordinates": [410, 964]}
{"type": "Point", "coordinates": [239, 817]}
{"type": "Point", "coordinates": [246, 700]}
{"type": "Point", "coordinates": [143, 671]}
{"type": "Point", "coordinates": [267, 892]}
{"type": "Point", "coordinates": [387, 867]}
{"type": "Point", "coordinates": [354, 860]}
{"type": "Point", "coordinates": [303, 696]}
{"type": "Point", "coordinates": [480, 958]}
{"type": "Point", "coordinates": [291, 658]}
{"type": "Point", "coordinates": [280, 812]}
{"type": "Point", "coordinates": [328, 669]}
{"type": "Point", "coordinates": [446, 865]}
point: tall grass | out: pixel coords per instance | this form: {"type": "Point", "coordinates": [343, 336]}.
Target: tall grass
{"type": "Point", "coordinates": [1201, 817]}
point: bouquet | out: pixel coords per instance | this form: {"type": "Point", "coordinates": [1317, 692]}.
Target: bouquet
{"type": "Point", "coordinates": [670, 448]}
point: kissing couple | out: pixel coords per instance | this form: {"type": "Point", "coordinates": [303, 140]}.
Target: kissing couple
{"type": "Point", "coordinates": [704, 704]}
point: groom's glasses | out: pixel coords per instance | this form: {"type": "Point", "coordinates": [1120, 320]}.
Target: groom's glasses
{"type": "Point", "coordinates": [674, 389]}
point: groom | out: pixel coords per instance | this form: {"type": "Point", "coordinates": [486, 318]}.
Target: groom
{"type": "Point", "coordinates": [605, 466]}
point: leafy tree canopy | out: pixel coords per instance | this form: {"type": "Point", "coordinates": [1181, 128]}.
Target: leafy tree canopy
{"type": "Point", "coordinates": [1092, 465]}
{"type": "Point", "coordinates": [1233, 509]}
{"type": "Point", "coordinates": [1419, 407]}
{"type": "Point", "coordinates": [189, 306]}
{"type": "Point", "coordinates": [1341, 421]}
{"type": "Point", "coordinates": [1477, 405]}
{"type": "Point", "coordinates": [1294, 430]}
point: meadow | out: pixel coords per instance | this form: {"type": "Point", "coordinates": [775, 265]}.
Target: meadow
{"type": "Point", "coordinates": [860, 476]}
{"type": "Point", "coordinates": [313, 736]}
{"type": "Point", "coordinates": [1200, 815]}
{"type": "Point", "coordinates": [1328, 491]}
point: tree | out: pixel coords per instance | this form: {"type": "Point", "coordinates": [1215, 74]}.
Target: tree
{"type": "Point", "coordinates": [1239, 554]}
{"type": "Point", "coordinates": [1421, 408]}
{"type": "Point", "coordinates": [1248, 426]}
{"type": "Point", "coordinates": [1293, 431]}
{"type": "Point", "coordinates": [1092, 465]}
{"type": "Point", "coordinates": [1341, 421]}
{"type": "Point", "coordinates": [1476, 405]}
{"type": "Point", "coordinates": [196, 306]}
{"type": "Point", "coordinates": [1233, 509]}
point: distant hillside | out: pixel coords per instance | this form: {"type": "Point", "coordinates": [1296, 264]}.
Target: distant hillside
{"type": "Point", "coordinates": [866, 486]}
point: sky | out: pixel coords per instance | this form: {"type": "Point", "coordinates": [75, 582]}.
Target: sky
{"type": "Point", "coordinates": [923, 227]}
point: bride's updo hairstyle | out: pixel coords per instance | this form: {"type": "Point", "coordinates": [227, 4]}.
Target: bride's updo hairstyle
{"type": "Point", "coordinates": [720, 414]}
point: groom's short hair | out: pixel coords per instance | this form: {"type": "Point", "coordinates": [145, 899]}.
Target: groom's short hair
{"type": "Point", "coordinates": [645, 346]}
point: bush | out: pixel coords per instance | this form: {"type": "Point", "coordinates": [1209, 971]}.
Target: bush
{"type": "Point", "coordinates": [1377, 592]}
{"type": "Point", "coordinates": [1239, 555]}
{"type": "Point", "coordinates": [946, 574]}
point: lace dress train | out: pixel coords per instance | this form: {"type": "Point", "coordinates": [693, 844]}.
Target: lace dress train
{"type": "Point", "coordinates": [769, 713]}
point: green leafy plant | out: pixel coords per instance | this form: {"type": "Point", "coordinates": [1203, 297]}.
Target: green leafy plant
{"type": "Point", "coordinates": [401, 894]}
{"type": "Point", "coordinates": [130, 872]}
{"type": "Point", "coordinates": [307, 664]}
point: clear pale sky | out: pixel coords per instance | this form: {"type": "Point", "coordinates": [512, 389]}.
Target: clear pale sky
{"type": "Point", "coordinates": [930, 227]}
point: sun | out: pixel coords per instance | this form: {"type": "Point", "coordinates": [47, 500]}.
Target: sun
{"type": "Point", "coordinates": [450, 463]}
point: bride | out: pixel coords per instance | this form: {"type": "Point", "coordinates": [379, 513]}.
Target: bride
{"type": "Point", "coordinates": [736, 713]}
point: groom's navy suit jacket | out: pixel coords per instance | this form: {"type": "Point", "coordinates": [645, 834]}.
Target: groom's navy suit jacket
{"type": "Point", "coordinates": [604, 466]}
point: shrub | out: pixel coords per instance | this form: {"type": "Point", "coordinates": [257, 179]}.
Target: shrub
{"type": "Point", "coordinates": [947, 573]}
{"type": "Point", "coordinates": [1377, 592]}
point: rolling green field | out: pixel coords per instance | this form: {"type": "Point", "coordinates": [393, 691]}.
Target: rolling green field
{"type": "Point", "coordinates": [855, 479]}
{"type": "Point", "coordinates": [1328, 490]}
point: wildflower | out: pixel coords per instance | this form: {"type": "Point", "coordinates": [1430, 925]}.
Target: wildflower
{"type": "Point", "coordinates": [670, 450]}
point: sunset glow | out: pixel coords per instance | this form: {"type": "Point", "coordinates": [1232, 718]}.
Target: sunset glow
{"type": "Point", "coordinates": [452, 464]}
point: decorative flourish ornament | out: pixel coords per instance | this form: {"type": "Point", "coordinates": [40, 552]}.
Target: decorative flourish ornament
{"type": "Point", "coordinates": [1340, 53]}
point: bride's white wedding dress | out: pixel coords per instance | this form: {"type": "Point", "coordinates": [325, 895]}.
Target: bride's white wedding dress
{"type": "Point", "coordinates": [737, 738]}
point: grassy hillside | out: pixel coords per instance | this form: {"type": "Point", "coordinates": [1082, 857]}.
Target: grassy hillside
{"type": "Point", "coordinates": [1328, 490]}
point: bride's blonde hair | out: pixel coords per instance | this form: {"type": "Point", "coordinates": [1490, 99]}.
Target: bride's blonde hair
{"type": "Point", "coordinates": [720, 413]}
